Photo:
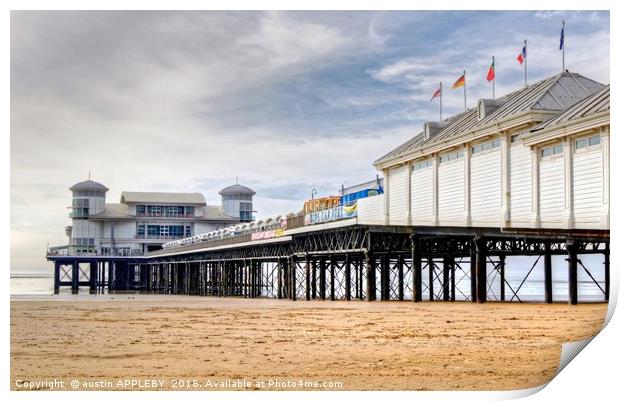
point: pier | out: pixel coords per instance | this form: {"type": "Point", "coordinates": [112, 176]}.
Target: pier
{"type": "Point", "coordinates": [523, 175]}
{"type": "Point", "coordinates": [352, 262]}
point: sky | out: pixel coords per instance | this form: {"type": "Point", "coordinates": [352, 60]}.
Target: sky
{"type": "Point", "coordinates": [285, 101]}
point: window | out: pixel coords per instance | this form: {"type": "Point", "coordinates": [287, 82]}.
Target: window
{"type": "Point", "coordinates": [422, 165]}
{"type": "Point", "coordinates": [450, 156]}
{"type": "Point", "coordinates": [153, 231]}
{"type": "Point", "coordinates": [140, 230]}
{"type": "Point", "coordinates": [586, 142]}
{"type": "Point", "coordinates": [140, 209]}
{"type": "Point", "coordinates": [552, 150]}
{"type": "Point", "coordinates": [482, 147]}
{"type": "Point", "coordinates": [595, 140]}
{"type": "Point", "coordinates": [164, 230]}
{"type": "Point", "coordinates": [84, 241]}
{"type": "Point", "coordinates": [513, 138]}
{"type": "Point", "coordinates": [153, 210]}
{"type": "Point", "coordinates": [188, 231]}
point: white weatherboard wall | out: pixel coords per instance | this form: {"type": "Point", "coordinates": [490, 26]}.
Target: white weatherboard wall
{"type": "Point", "coordinates": [452, 192]}
{"type": "Point", "coordinates": [520, 184]}
{"type": "Point", "coordinates": [422, 196]}
{"type": "Point", "coordinates": [371, 210]}
{"type": "Point", "coordinates": [588, 187]}
{"type": "Point", "coordinates": [486, 188]}
{"type": "Point", "coordinates": [397, 202]}
{"type": "Point", "coordinates": [552, 202]}
{"type": "Point", "coordinates": [122, 229]}
{"type": "Point", "coordinates": [86, 229]}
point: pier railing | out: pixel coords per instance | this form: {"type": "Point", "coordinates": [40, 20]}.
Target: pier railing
{"type": "Point", "coordinates": [210, 244]}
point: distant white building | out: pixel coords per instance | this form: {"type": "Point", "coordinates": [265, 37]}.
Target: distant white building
{"type": "Point", "coordinates": [143, 221]}
{"type": "Point", "coordinates": [237, 201]}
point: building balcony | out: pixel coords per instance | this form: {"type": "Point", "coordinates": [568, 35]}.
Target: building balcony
{"type": "Point", "coordinates": [166, 215]}
{"type": "Point", "coordinates": [162, 237]}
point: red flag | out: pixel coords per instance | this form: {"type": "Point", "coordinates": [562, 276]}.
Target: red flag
{"type": "Point", "coordinates": [436, 94]}
{"type": "Point", "coordinates": [491, 73]}
{"type": "Point", "coordinates": [522, 55]}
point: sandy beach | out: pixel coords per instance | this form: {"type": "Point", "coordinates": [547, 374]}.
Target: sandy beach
{"type": "Point", "coordinates": [379, 345]}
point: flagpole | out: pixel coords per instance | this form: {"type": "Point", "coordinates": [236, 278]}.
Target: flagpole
{"type": "Point", "coordinates": [525, 46]}
{"type": "Point", "coordinates": [465, 89]}
{"type": "Point", "coordinates": [563, 45]}
{"type": "Point", "coordinates": [493, 64]}
{"type": "Point", "coordinates": [440, 102]}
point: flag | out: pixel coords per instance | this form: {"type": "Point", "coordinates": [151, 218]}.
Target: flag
{"type": "Point", "coordinates": [491, 73]}
{"type": "Point", "coordinates": [562, 39]}
{"type": "Point", "coordinates": [436, 94]}
{"type": "Point", "coordinates": [459, 82]}
{"type": "Point", "coordinates": [522, 55]}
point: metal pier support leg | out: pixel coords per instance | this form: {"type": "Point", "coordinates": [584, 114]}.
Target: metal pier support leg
{"type": "Point", "coordinates": [371, 280]}
{"type": "Point", "coordinates": [416, 266]}
{"type": "Point", "coordinates": [280, 279]}
{"type": "Point", "coordinates": [332, 279]}
{"type": "Point", "coordinates": [502, 277]}
{"type": "Point", "coordinates": [292, 268]}
{"type": "Point", "coordinates": [446, 278]}
{"type": "Point", "coordinates": [452, 280]}
{"type": "Point", "coordinates": [472, 272]}
{"type": "Point", "coordinates": [347, 277]}
{"type": "Point", "coordinates": [252, 278]}
{"type": "Point", "coordinates": [431, 276]}
{"type": "Point", "coordinates": [571, 248]}
{"type": "Point", "coordinates": [128, 278]}
{"type": "Point", "coordinates": [481, 268]}
{"type": "Point", "coordinates": [606, 266]}
{"type": "Point", "coordinates": [93, 278]}
{"type": "Point", "coordinates": [75, 277]}
{"type": "Point", "coordinates": [358, 279]}
{"type": "Point", "coordinates": [313, 279]}
{"type": "Point", "coordinates": [401, 278]}
{"type": "Point", "coordinates": [286, 270]}
{"type": "Point", "coordinates": [385, 278]}
{"type": "Point", "coordinates": [548, 273]}
{"type": "Point", "coordinates": [149, 278]}
{"type": "Point", "coordinates": [322, 279]}
{"type": "Point", "coordinates": [307, 271]}
{"type": "Point", "coordinates": [56, 277]}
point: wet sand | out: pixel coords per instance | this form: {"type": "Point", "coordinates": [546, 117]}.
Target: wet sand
{"type": "Point", "coordinates": [378, 345]}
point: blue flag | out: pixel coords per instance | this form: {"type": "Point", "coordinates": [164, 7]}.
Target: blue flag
{"type": "Point", "coordinates": [562, 39]}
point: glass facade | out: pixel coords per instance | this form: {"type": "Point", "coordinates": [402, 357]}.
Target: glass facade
{"type": "Point", "coordinates": [163, 230]}
{"type": "Point", "coordinates": [89, 193]}
{"type": "Point", "coordinates": [83, 242]}
{"type": "Point", "coordinates": [245, 211]}
{"type": "Point", "coordinates": [80, 208]}
{"type": "Point", "coordinates": [164, 211]}
{"type": "Point", "coordinates": [243, 197]}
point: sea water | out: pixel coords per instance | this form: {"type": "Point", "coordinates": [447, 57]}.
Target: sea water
{"type": "Point", "coordinates": [517, 268]}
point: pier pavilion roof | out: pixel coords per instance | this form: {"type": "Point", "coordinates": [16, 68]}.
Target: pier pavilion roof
{"type": "Point", "coordinates": [595, 103]}
{"type": "Point", "coordinates": [237, 189]}
{"type": "Point", "coordinates": [534, 103]}
{"type": "Point", "coordinates": [88, 185]}
{"type": "Point", "coordinates": [163, 198]}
